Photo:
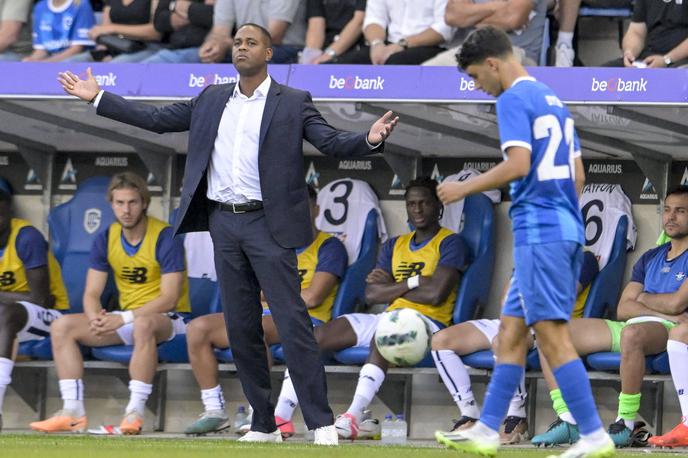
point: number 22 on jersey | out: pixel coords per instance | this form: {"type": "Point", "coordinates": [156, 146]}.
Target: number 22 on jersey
{"type": "Point", "coordinates": [549, 126]}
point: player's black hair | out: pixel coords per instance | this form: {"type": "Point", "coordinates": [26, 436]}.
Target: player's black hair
{"type": "Point", "coordinates": [312, 193]}
{"type": "Point", "coordinates": [263, 31]}
{"type": "Point", "coordinates": [482, 43]}
{"type": "Point", "coordinates": [680, 189]}
{"type": "Point", "coordinates": [423, 182]}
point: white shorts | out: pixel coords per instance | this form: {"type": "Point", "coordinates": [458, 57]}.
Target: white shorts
{"type": "Point", "coordinates": [365, 324]}
{"type": "Point", "coordinates": [126, 332]}
{"type": "Point", "coordinates": [489, 328]}
{"type": "Point", "coordinates": [37, 325]}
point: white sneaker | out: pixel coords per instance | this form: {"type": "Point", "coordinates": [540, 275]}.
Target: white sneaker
{"type": "Point", "coordinates": [369, 427]}
{"type": "Point", "coordinates": [564, 55]}
{"type": "Point", "coordinates": [326, 435]}
{"type": "Point", "coordinates": [346, 426]}
{"type": "Point", "coordinates": [246, 425]}
{"type": "Point", "coordinates": [478, 440]}
{"type": "Point", "coordinates": [586, 449]}
{"type": "Point", "coordinates": [257, 436]}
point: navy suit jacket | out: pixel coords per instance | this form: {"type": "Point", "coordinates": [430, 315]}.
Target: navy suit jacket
{"type": "Point", "coordinates": [288, 119]}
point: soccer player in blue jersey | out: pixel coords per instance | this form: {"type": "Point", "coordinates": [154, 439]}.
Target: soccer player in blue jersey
{"type": "Point", "coordinates": [543, 164]}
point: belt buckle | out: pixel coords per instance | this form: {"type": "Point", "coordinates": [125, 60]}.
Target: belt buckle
{"type": "Point", "coordinates": [235, 211]}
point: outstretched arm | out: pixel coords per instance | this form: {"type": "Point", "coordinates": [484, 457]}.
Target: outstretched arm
{"type": "Point", "coordinates": [171, 118]}
{"type": "Point", "coordinates": [335, 142]}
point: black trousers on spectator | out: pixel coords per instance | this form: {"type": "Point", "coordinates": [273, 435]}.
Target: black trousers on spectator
{"type": "Point", "coordinates": [410, 56]}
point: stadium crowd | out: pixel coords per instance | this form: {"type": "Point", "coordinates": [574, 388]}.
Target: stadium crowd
{"type": "Point", "coordinates": [378, 32]}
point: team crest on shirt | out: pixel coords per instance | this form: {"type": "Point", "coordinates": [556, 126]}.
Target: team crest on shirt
{"type": "Point", "coordinates": [680, 276]}
{"type": "Point", "coordinates": [92, 219]}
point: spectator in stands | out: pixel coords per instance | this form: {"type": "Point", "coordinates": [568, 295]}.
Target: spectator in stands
{"type": "Point", "coordinates": [440, 257]}
{"type": "Point", "coordinates": [401, 32]}
{"type": "Point", "coordinates": [651, 305]}
{"type": "Point", "coordinates": [186, 24]}
{"type": "Point", "coordinates": [476, 335]}
{"type": "Point", "coordinates": [32, 293]}
{"type": "Point", "coordinates": [657, 36]}
{"type": "Point", "coordinates": [148, 265]}
{"type": "Point", "coordinates": [284, 19]}
{"type": "Point", "coordinates": [15, 31]}
{"type": "Point", "coordinates": [321, 267]}
{"type": "Point", "coordinates": [334, 27]}
{"type": "Point", "coordinates": [60, 30]}
{"type": "Point", "coordinates": [134, 22]}
{"type": "Point", "coordinates": [523, 20]}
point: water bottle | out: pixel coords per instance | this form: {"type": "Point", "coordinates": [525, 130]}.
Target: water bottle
{"type": "Point", "coordinates": [387, 430]}
{"type": "Point", "coordinates": [400, 430]}
{"type": "Point", "coordinates": [240, 418]}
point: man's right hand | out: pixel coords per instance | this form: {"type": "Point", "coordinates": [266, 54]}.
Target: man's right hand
{"type": "Point", "coordinates": [86, 89]}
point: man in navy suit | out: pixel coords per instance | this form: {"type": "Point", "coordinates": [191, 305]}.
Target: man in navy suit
{"type": "Point", "coordinates": [244, 182]}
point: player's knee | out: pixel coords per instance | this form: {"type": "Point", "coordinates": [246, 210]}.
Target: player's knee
{"type": "Point", "coordinates": [198, 331]}
{"type": "Point", "coordinates": [441, 340]}
{"type": "Point", "coordinates": [61, 329]}
{"type": "Point", "coordinates": [144, 327]}
{"type": "Point", "coordinates": [632, 337]}
{"type": "Point", "coordinates": [679, 333]}
{"type": "Point", "coordinates": [13, 317]}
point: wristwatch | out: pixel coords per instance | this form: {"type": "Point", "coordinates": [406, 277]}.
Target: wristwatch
{"type": "Point", "coordinates": [331, 52]}
{"type": "Point", "coordinates": [667, 60]}
{"type": "Point", "coordinates": [403, 43]}
{"type": "Point", "coordinates": [376, 42]}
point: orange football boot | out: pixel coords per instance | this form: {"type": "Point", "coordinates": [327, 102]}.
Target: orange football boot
{"type": "Point", "coordinates": [677, 437]}
{"type": "Point", "coordinates": [62, 421]}
{"type": "Point", "coordinates": [132, 423]}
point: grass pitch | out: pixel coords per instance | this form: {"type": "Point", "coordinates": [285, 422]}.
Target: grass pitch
{"type": "Point", "coordinates": [42, 446]}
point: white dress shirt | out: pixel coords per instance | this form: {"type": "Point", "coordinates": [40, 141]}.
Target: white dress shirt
{"type": "Point", "coordinates": [233, 171]}
{"type": "Point", "coordinates": [403, 18]}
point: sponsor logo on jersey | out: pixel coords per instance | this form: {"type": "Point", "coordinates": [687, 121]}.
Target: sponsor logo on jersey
{"type": "Point", "coordinates": [409, 269]}
{"type": "Point", "coordinates": [7, 278]}
{"type": "Point", "coordinates": [92, 219]}
{"type": "Point", "coordinates": [136, 275]}
{"type": "Point", "coordinates": [211, 78]}
{"type": "Point", "coordinates": [356, 83]}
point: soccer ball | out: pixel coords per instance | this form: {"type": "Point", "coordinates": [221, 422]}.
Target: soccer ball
{"type": "Point", "coordinates": [403, 337]}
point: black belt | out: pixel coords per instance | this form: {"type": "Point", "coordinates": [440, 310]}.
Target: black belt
{"type": "Point", "coordinates": [240, 208]}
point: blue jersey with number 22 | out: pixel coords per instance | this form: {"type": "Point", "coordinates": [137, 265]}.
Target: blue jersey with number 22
{"type": "Point", "coordinates": [544, 204]}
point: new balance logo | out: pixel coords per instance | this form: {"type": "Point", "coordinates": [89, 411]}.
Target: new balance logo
{"type": "Point", "coordinates": [135, 274]}
{"type": "Point", "coordinates": [302, 274]}
{"type": "Point", "coordinates": [409, 269]}
{"type": "Point", "coordinates": [7, 279]}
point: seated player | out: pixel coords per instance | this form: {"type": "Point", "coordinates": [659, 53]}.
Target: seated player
{"type": "Point", "coordinates": [651, 305]}
{"type": "Point", "coordinates": [321, 267]}
{"type": "Point", "coordinates": [451, 343]}
{"type": "Point", "coordinates": [148, 265]}
{"type": "Point", "coordinates": [31, 289]}
{"type": "Point", "coordinates": [419, 270]}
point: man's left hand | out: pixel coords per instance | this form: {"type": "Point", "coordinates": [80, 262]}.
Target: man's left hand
{"type": "Point", "coordinates": [108, 324]}
{"type": "Point", "coordinates": [451, 192]}
{"type": "Point", "coordinates": [655, 61]}
{"type": "Point", "coordinates": [379, 276]}
{"type": "Point", "coordinates": [382, 128]}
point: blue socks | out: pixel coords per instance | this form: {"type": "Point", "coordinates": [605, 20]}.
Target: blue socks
{"type": "Point", "coordinates": [503, 384]}
{"type": "Point", "coordinates": [573, 382]}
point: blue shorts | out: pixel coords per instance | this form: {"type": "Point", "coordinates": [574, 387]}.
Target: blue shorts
{"type": "Point", "coordinates": [543, 285]}
{"type": "Point", "coordinates": [315, 321]}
